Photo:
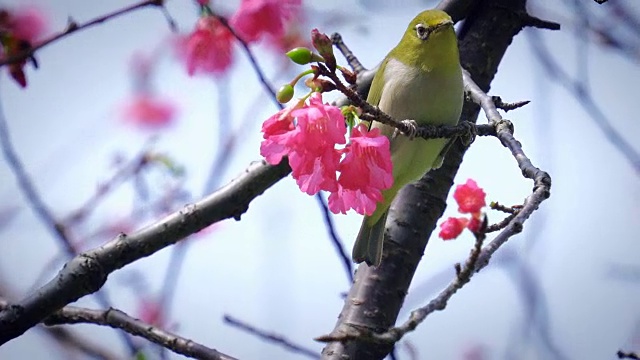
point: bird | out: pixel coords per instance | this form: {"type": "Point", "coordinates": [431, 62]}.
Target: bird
{"type": "Point", "coordinates": [419, 82]}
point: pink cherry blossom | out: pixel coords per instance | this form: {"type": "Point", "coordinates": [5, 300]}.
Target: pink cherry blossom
{"type": "Point", "coordinates": [149, 111]}
{"type": "Point", "coordinates": [452, 227]}
{"type": "Point", "coordinates": [470, 197]}
{"type": "Point", "coordinates": [321, 125]}
{"type": "Point", "coordinates": [208, 49]}
{"type": "Point", "coordinates": [475, 223]}
{"type": "Point", "coordinates": [256, 18]}
{"type": "Point", "coordinates": [361, 201]}
{"type": "Point", "coordinates": [365, 171]}
{"type": "Point", "coordinates": [279, 133]}
{"type": "Point", "coordinates": [307, 134]}
{"type": "Point", "coordinates": [315, 171]}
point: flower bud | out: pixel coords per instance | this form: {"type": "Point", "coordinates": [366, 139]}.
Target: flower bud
{"type": "Point", "coordinates": [323, 44]}
{"type": "Point", "coordinates": [303, 56]}
{"type": "Point", "coordinates": [285, 93]}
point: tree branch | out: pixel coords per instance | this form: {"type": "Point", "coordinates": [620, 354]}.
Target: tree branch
{"type": "Point", "coordinates": [69, 339]}
{"type": "Point", "coordinates": [119, 320]}
{"type": "Point", "coordinates": [87, 272]}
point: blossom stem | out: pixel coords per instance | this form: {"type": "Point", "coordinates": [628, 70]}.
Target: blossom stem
{"type": "Point", "coordinates": [300, 76]}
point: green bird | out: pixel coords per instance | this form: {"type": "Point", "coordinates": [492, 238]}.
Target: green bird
{"type": "Point", "coordinates": [420, 80]}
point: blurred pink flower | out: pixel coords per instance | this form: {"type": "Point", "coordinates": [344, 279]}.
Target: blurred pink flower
{"type": "Point", "coordinates": [151, 312]}
{"type": "Point", "coordinates": [149, 111]}
{"type": "Point", "coordinates": [208, 49]}
{"type": "Point", "coordinates": [452, 227]}
{"type": "Point", "coordinates": [470, 197]}
{"type": "Point", "coordinates": [28, 23]}
{"type": "Point", "coordinates": [475, 223]}
{"type": "Point", "coordinates": [256, 18]}
{"type": "Point", "coordinates": [20, 28]}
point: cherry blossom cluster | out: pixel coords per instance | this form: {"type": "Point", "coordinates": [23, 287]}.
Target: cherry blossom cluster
{"type": "Point", "coordinates": [471, 199]}
{"type": "Point", "coordinates": [208, 49]}
{"type": "Point", "coordinates": [19, 30]}
{"type": "Point", "coordinates": [308, 134]}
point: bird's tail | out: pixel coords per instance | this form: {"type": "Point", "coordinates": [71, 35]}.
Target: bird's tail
{"type": "Point", "coordinates": [368, 246]}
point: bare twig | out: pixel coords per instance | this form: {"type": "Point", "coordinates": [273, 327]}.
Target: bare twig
{"type": "Point", "coordinates": [335, 240]}
{"type": "Point", "coordinates": [131, 168]}
{"type": "Point", "coordinates": [270, 337]}
{"type": "Point", "coordinates": [584, 97]}
{"type": "Point", "coordinates": [40, 208]}
{"type": "Point", "coordinates": [627, 355]}
{"type": "Point", "coordinates": [252, 59]}
{"type": "Point", "coordinates": [508, 106]}
{"type": "Point", "coordinates": [119, 320]}
{"type": "Point", "coordinates": [70, 339]}
{"type": "Point", "coordinates": [535, 22]}
{"type": "Point", "coordinates": [72, 27]}
{"type": "Point", "coordinates": [28, 189]}
{"type": "Point", "coordinates": [353, 61]}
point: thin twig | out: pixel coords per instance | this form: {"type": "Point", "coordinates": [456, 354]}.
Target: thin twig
{"type": "Point", "coordinates": [353, 61]}
{"type": "Point", "coordinates": [131, 168]}
{"type": "Point", "coordinates": [252, 59]}
{"type": "Point", "coordinates": [34, 200]}
{"type": "Point", "coordinates": [584, 97]}
{"type": "Point", "coordinates": [28, 189]}
{"type": "Point", "coordinates": [270, 337]}
{"type": "Point", "coordinates": [68, 338]}
{"type": "Point", "coordinates": [72, 27]}
{"type": "Point", "coordinates": [627, 355]}
{"type": "Point", "coordinates": [119, 320]}
{"type": "Point", "coordinates": [337, 243]}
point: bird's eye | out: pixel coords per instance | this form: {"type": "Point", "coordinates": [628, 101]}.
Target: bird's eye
{"type": "Point", "coordinates": [422, 31]}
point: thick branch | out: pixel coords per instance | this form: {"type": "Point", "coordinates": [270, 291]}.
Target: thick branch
{"type": "Point", "coordinates": [87, 272]}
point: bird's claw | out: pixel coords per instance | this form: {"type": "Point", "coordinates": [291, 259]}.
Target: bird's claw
{"type": "Point", "coordinates": [470, 133]}
{"type": "Point", "coordinates": [412, 129]}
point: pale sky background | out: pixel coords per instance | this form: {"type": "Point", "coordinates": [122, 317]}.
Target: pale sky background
{"type": "Point", "coordinates": [276, 269]}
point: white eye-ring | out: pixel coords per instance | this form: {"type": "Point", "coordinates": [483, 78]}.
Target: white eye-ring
{"type": "Point", "coordinates": [422, 31]}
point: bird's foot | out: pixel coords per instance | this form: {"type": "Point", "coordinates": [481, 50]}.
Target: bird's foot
{"type": "Point", "coordinates": [412, 129]}
{"type": "Point", "coordinates": [470, 133]}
